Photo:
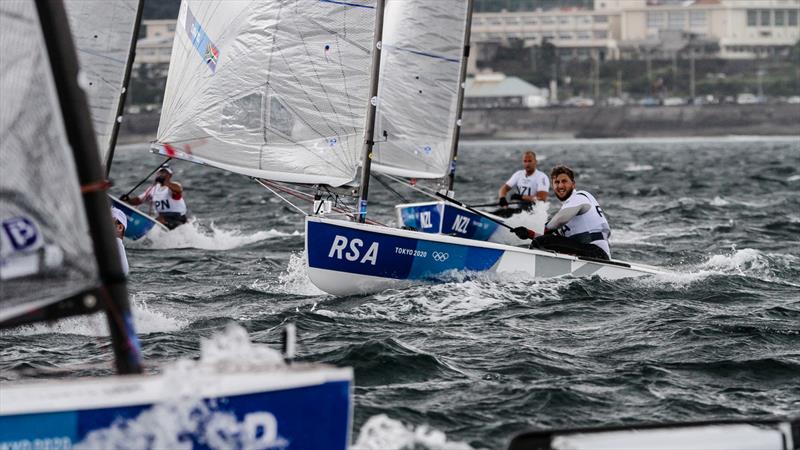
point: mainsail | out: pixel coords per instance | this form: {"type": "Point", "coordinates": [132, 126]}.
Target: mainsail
{"type": "Point", "coordinates": [102, 32]}
{"type": "Point", "coordinates": [421, 58]}
{"type": "Point", "coordinates": [271, 89]}
{"type": "Point", "coordinates": [46, 253]}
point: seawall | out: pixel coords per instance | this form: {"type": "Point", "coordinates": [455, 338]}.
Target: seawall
{"type": "Point", "coordinates": [633, 121]}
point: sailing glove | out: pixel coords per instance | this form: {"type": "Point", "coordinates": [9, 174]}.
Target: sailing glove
{"type": "Point", "coordinates": [524, 233]}
{"type": "Point", "coordinates": [125, 198]}
{"type": "Point", "coordinates": [502, 202]}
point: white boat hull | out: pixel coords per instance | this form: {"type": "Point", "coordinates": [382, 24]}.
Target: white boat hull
{"type": "Point", "coordinates": [346, 258]}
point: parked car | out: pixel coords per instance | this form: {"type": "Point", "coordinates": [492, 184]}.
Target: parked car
{"type": "Point", "coordinates": [746, 99]}
{"type": "Point", "coordinates": [614, 101]}
{"type": "Point", "coordinates": [582, 102]}
{"type": "Point", "coordinates": [649, 101]}
{"type": "Point", "coordinates": [793, 100]}
{"type": "Point", "coordinates": [674, 101]}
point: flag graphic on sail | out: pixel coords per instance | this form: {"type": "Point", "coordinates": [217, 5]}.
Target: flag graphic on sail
{"type": "Point", "coordinates": [200, 40]}
{"type": "Point", "coordinates": [286, 94]}
{"type": "Point", "coordinates": [421, 57]}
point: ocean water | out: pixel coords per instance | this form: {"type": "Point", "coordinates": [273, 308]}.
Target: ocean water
{"type": "Point", "coordinates": [473, 361]}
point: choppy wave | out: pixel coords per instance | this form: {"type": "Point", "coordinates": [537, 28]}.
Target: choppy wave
{"type": "Point", "coordinates": [194, 235]}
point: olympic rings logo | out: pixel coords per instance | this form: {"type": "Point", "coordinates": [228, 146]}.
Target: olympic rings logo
{"type": "Point", "coordinates": [440, 256]}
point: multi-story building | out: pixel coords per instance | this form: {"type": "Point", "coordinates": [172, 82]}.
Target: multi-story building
{"type": "Point", "coordinates": [155, 43]}
{"type": "Point", "coordinates": [629, 28]}
{"type": "Point", "coordinates": [576, 33]}
{"type": "Point", "coordinates": [738, 28]}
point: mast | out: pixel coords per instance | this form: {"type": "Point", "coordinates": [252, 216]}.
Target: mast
{"type": "Point", "coordinates": [112, 142]}
{"type": "Point", "coordinates": [369, 132]}
{"type": "Point", "coordinates": [463, 77]}
{"type": "Point", "coordinates": [81, 137]}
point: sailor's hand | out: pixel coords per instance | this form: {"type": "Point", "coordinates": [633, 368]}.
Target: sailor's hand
{"type": "Point", "coordinates": [503, 202]}
{"type": "Point", "coordinates": [524, 233]}
{"type": "Point", "coordinates": [125, 198]}
{"type": "Point", "coordinates": [517, 197]}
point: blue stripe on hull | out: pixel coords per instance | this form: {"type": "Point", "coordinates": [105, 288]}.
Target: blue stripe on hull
{"type": "Point", "coordinates": [363, 252]}
{"type": "Point", "coordinates": [138, 223]}
{"type": "Point", "coordinates": [307, 417]}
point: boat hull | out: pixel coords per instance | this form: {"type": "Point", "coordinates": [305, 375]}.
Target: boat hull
{"type": "Point", "coordinates": [450, 219]}
{"type": "Point", "coordinates": [139, 223]}
{"type": "Point", "coordinates": [307, 407]}
{"type": "Point", "coordinates": [346, 258]}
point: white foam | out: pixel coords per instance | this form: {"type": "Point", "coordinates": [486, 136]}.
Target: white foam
{"type": "Point", "coordinates": [382, 433]}
{"type": "Point", "coordinates": [793, 178]}
{"type": "Point", "coordinates": [191, 235]}
{"type": "Point", "coordinates": [146, 321]}
{"type": "Point", "coordinates": [638, 167]}
{"type": "Point", "coordinates": [295, 279]}
{"type": "Point", "coordinates": [719, 201]}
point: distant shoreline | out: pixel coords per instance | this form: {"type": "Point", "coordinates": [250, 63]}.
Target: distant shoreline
{"type": "Point", "coordinates": [632, 121]}
{"type": "Point", "coordinates": [569, 123]}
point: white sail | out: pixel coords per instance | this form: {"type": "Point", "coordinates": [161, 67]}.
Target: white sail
{"type": "Point", "coordinates": [102, 31]}
{"type": "Point", "coordinates": [421, 57]}
{"type": "Point", "coordinates": [273, 89]}
{"type": "Point", "coordinates": [45, 253]}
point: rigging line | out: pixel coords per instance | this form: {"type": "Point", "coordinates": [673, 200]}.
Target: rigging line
{"type": "Point", "coordinates": [341, 67]}
{"type": "Point", "coordinates": [316, 75]}
{"type": "Point", "coordinates": [429, 192]}
{"type": "Point", "coordinates": [280, 196]}
{"type": "Point", "coordinates": [386, 185]}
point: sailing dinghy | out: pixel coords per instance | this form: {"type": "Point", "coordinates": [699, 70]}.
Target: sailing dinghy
{"type": "Point", "coordinates": [105, 36]}
{"type": "Point", "coordinates": [322, 95]}
{"type": "Point", "coordinates": [59, 258]}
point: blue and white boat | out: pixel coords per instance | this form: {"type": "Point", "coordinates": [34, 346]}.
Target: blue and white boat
{"type": "Point", "coordinates": [139, 223]}
{"type": "Point", "coordinates": [347, 258]}
{"type": "Point", "coordinates": [59, 257]}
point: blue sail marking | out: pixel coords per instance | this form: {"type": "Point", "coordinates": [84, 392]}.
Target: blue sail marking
{"type": "Point", "coordinates": [356, 5]}
{"type": "Point", "coordinates": [421, 53]}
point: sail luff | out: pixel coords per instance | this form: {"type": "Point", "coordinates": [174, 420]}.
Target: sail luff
{"type": "Point", "coordinates": [112, 144]}
{"type": "Point", "coordinates": [423, 48]}
{"type": "Point", "coordinates": [451, 175]}
{"type": "Point", "coordinates": [82, 139]}
{"type": "Point", "coordinates": [372, 107]}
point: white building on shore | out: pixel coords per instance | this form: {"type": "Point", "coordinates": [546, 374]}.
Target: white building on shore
{"type": "Point", "coordinates": [622, 28]}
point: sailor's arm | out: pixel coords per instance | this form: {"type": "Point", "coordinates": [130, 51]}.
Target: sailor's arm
{"type": "Point", "coordinates": [565, 215]}
{"type": "Point", "coordinates": [134, 201]}
{"type": "Point", "coordinates": [541, 196]}
{"type": "Point", "coordinates": [174, 186]}
{"type": "Point", "coordinates": [503, 191]}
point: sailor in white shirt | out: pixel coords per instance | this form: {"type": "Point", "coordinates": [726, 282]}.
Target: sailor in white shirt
{"type": "Point", "coordinates": [167, 198]}
{"type": "Point", "coordinates": [580, 223]}
{"type": "Point", "coordinates": [120, 223]}
{"type": "Point", "coordinates": [530, 184]}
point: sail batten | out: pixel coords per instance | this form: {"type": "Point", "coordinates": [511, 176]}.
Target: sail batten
{"type": "Point", "coordinates": [273, 89]}
{"type": "Point", "coordinates": [423, 52]}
